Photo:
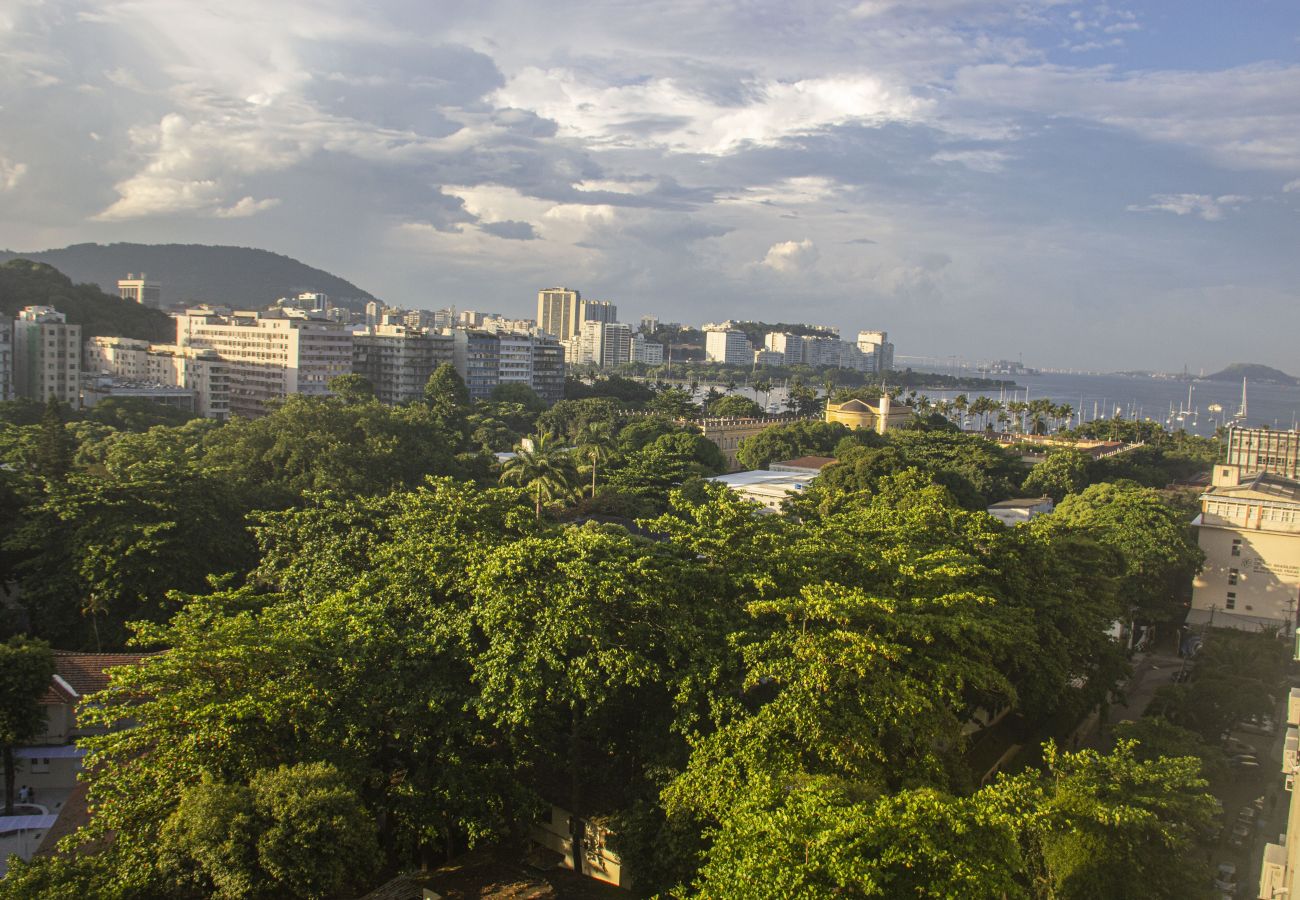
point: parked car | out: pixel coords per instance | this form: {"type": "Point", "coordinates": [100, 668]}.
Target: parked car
{"type": "Point", "coordinates": [1258, 725]}
{"type": "Point", "coordinates": [1244, 763]}
{"type": "Point", "coordinates": [1236, 747]}
{"type": "Point", "coordinates": [1225, 879]}
{"type": "Point", "coordinates": [1247, 814]}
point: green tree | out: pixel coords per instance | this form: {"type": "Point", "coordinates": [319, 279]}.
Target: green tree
{"type": "Point", "coordinates": [352, 388]}
{"type": "Point", "coordinates": [26, 667]}
{"type": "Point", "coordinates": [448, 398]}
{"type": "Point", "coordinates": [1062, 472]}
{"type": "Point", "coordinates": [674, 403]}
{"type": "Point", "coordinates": [55, 446]}
{"type": "Point", "coordinates": [803, 400]}
{"type": "Point", "coordinates": [1159, 554]}
{"type": "Point", "coordinates": [735, 406]}
{"type": "Point", "coordinates": [542, 468]}
{"type": "Point", "coordinates": [595, 446]}
{"type": "Point", "coordinates": [515, 392]}
{"type": "Point", "coordinates": [295, 831]}
{"type": "Point", "coordinates": [793, 440]}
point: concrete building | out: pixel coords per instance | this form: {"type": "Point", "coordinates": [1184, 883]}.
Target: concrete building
{"type": "Point", "coordinates": [516, 364]}
{"type": "Point", "coordinates": [876, 344]}
{"type": "Point", "coordinates": [1249, 530]}
{"type": "Point", "coordinates": [598, 311]}
{"type": "Point", "coordinates": [803, 465]}
{"type": "Point", "coordinates": [558, 312]}
{"type": "Point", "coordinates": [398, 360]}
{"type": "Point", "coordinates": [140, 290]}
{"type": "Point", "coordinates": [127, 362]}
{"type": "Point", "coordinates": [548, 369]}
{"type": "Point", "coordinates": [6, 359]}
{"type": "Point", "coordinates": [769, 489]}
{"type": "Point", "coordinates": [1021, 509]}
{"type": "Point", "coordinates": [649, 324]}
{"type": "Point", "coordinates": [648, 352]}
{"type": "Point", "coordinates": [769, 358]}
{"type": "Point", "coordinates": [97, 388]}
{"type": "Point", "coordinates": [603, 344]}
{"type": "Point", "coordinates": [1279, 875]}
{"type": "Point", "coordinates": [477, 357]}
{"type": "Point", "coordinates": [1263, 450]}
{"type": "Point", "coordinates": [857, 413]}
{"type": "Point", "coordinates": [730, 347]}
{"type": "Point", "coordinates": [269, 355]}
{"type": "Point", "coordinates": [727, 433]}
{"type": "Point", "coordinates": [790, 346]}
{"type": "Point", "coordinates": [46, 356]}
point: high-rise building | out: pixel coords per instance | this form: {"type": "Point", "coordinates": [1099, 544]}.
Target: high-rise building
{"type": "Point", "coordinates": [548, 369]}
{"type": "Point", "coordinates": [6, 359]}
{"type": "Point", "coordinates": [398, 360]}
{"type": "Point", "coordinates": [598, 311]}
{"type": "Point", "coordinates": [877, 345]}
{"type": "Point", "coordinates": [790, 346]}
{"type": "Point", "coordinates": [374, 309]}
{"type": "Point", "coordinates": [730, 347]}
{"type": "Point", "coordinates": [140, 290]}
{"type": "Point", "coordinates": [603, 344]}
{"type": "Point", "coordinates": [130, 362]}
{"type": "Point", "coordinates": [558, 312]}
{"type": "Point", "coordinates": [270, 355]}
{"type": "Point", "coordinates": [649, 324]}
{"type": "Point", "coordinates": [46, 356]}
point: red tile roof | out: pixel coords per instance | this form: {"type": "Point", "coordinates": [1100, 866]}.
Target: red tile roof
{"type": "Point", "coordinates": [84, 673]}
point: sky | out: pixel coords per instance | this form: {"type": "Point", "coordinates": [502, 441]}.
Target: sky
{"type": "Point", "coordinates": [1083, 185]}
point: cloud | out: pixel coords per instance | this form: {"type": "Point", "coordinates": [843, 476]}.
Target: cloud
{"type": "Point", "coordinates": [510, 230]}
{"type": "Point", "coordinates": [672, 114]}
{"type": "Point", "coordinates": [1202, 206]}
{"type": "Point", "coordinates": [1291, 186]}
{"type": "Point", "coordinates": [245, 207]}
{"type": "Point", "coordinates": [976, 160]}
{"type": "Point", "coordinates": [11, 173]}
{"type": "Point", "coordinates": [789, 257]}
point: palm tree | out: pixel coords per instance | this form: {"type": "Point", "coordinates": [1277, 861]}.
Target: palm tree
{"type": "Point", "coordinates": [1064, 413]}
{"type": "Point", "coordinates": [765, 387]}
{"type": "Point", "coordinates": [596, 444]}
{"type": "Point", "coordinates": [540, 465]}
{"type": "Point", "coordinates": [960, 403]}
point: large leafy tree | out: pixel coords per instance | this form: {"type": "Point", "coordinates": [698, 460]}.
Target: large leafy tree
{"type": "Point", "coordinates": [26, 667]}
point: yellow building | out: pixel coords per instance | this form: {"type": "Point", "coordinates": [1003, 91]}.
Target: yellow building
{"type": "Point", "coordinates": [857, 413]}
{"type": "Point", "coordinates": [1250, 532]}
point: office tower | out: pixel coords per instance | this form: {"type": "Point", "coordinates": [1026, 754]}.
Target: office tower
{"type": "Point", "coordinates": [558, 312]}
{"type": "Point", "coordinates": [598, 311]}
{"type": "Point", "coordinates": [46, 356]}
{"type": "Point", "coordinates": [140, 290]}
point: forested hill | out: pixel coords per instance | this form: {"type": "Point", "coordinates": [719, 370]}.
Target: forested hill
{"type": "Point", "coordinates": [230, 276]}
{"type": "Point", "coordinates": [1256, 373]}
{"type": "Point", "coordinates": [26, 283]}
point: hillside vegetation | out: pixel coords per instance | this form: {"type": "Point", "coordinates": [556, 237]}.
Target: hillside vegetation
{"type": "Point", "coordinates": [231, 276]}
{"type": "Point", "coordinates": [27, 283]}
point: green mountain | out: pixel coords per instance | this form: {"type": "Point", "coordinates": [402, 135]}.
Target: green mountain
{"type": "Point", "coordinates": [27, 283]}
{"type": "Point", "coordinates": [1255, 373]}
{"type": "Point", "coordinates": [228, 276]}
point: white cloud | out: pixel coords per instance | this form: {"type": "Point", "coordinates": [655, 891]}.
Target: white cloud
{"type": "Point", "coordinates": [1202, 206]}
{"type": "Point", "coordinates": [11, 173]}
{"type": "Point", "coordinates": [789, 257]}
{"type": "Point", "coordinates": [1291, 186]}
{"type": "Point", "coordinates": [978, 160]}
{"type": "Point", "coordinates": [245, 207]}
{"type": "Point", "coordinates": [672, 114]}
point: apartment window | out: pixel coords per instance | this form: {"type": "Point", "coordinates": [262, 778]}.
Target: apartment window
{"type": "Point", "coordinates": [1232, 600]}
{"type": "Point", "coordinates": [1232, 576]}
{"type": "Point", "coordinates": [40, 766]}
{"type": "Point", "coordinates": [1236, 546]}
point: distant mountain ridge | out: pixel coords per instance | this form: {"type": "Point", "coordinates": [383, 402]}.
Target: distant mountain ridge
{"type": "Point", "coordinates": [1253, 372]}
{"type": "Point", "coordinates": [228, 276]}
{"type": "Point", "coordinates": [27, 283]}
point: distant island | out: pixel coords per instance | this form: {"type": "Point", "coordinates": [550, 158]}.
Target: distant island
{"type": "Point", "coordinates": [1256, 373]}
{"type": "Point", "coordinates": [241, 277]}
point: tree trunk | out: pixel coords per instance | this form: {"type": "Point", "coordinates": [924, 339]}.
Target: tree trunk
{"type": "Point", "coordinates": [539, 501]}
{"type": "Point", "coordinates": [9, 779]}
{"type": "Point", "coordinates": [593, 478]}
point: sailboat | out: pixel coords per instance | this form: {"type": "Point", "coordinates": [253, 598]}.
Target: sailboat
{"type": "Point", "coordinates": [1240, 417]}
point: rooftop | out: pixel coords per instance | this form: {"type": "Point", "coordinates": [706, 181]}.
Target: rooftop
{"type": "Point", "coordinates": [1020, 503]}
{"type": "Point", "coordinates": [804, 462]}
{"type": "Point", "coordinates": [1265, 486]}
{"type": "Point", "coordinates": [79, 674]}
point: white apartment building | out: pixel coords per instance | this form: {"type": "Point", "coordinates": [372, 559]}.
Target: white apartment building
{"type": "Point", "coordinates": [769, 358]}
{"type": "Point", "coordinates": [645, 351]}
{"type": "Point", "coordinates": [598, 311]}
{"type": "Point", "coordinates": [46, 356]}
{"type": "Point", "coordinates": [130, 362]}
{"type": "Point", "coordinates": [876, 345]}
{"type": "Point", "coordinates": [730, 347]}
{"type": "Point", "coordinates": [516, 362]}
{"type": "Point", "coordinates": [790, 346]}
{"type": "Point", "coordinates": [271, 355]}
{"type": "Point", "coordinates": [604, 344]}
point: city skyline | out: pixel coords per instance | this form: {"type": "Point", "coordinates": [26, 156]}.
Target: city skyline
{"type": "Point", "coordinates": [1080, 185]}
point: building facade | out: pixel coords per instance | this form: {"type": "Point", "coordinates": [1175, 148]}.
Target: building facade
{"type": "Point", "coordinates": [648, 352]}
{"type": "Point", "coordinates": [398, 360]}
{"type": "Point", "coordinates": [857, 413]}
{"type": "Point", "coordinates": [730, 347]}
{"type": "Point", "coordinates": [140, 290]}
{"type": "Point", "coordinates": [1263, 450]}
{"type": "Point", "coordinates": [46, 356]}
{"type": "Point", "coordinates": [6, 359]}
{"type": "Point", "coordinates": [1249, 530]}
{"type": "Point", "coordinates": [876, 345]}
{"type": "Point", "coordinates": [558, 312]}
{"type": "Point", "coordinates": [485, 359]}
{"type": "Point", "coordinates": [269, 355]}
